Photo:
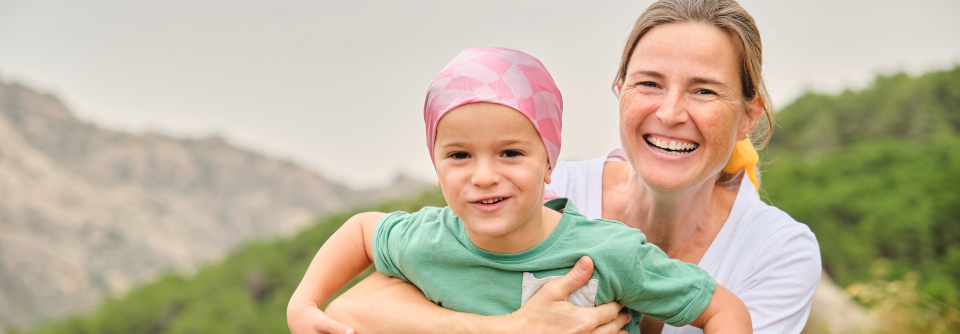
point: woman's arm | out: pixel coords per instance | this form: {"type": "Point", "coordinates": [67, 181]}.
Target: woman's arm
{"type": "Point", "coordinates": [380, 304]}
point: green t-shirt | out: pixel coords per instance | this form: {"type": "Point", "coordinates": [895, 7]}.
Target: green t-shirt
{"type": "Point", "coordinates": [430, 249]}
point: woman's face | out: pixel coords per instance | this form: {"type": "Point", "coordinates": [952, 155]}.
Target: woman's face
{"type": "Point", "coordinates": [681, 105]}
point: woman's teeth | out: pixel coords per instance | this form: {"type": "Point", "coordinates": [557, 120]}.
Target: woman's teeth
{"type": "Point", "coordinates": [671, 147]}
{"type": "Point", "coordinates": [490, 201]}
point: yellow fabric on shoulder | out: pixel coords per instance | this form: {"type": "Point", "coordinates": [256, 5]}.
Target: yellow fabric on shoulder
{"type": "Point", "coordinates": [744, 156]}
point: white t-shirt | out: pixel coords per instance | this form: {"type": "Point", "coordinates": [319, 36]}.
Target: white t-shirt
{"type": "Point", "coordinates": [766, 258]}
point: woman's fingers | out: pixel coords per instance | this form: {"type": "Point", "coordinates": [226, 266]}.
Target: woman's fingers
{"type": "Point", "coordinates": [324, 325]}
{"type": "Point", "coordinates": [333, 327]}
{"type": "Point", "coordinates": [614, 325]}
{"type": "Point", "coordinates": [610, 312]}
{"type": "Point", "coordinates": [561, 288]}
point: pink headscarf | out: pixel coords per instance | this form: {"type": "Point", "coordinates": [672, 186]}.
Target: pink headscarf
{"type": "Point", "coordinates": [502, 76]}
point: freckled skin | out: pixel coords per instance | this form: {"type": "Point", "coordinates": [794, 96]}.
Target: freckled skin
{"type": "Point", "coordinates": [484, 151]}
{"type": "Point", "coordinates": [683, 82]}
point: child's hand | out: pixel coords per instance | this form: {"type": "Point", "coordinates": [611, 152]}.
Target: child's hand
{"type": "Point", "coordinates": [311, 320]}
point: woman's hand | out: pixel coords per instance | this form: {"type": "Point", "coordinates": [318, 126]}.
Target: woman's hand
{"type": "Point", "coordinates": [309, 319]}
{"type": "Point", "coordinates": [548, 311]}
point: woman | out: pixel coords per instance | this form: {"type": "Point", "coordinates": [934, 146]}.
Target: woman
{"type": "Point", "coordinates": [691, 95]}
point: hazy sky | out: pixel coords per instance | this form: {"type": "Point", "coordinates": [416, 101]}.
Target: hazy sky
{"type": "Point", "coordinates": [338, 86]}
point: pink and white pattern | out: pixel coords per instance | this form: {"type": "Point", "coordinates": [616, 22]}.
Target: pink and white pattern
{"type": "Point", "coordinates": [502, 76]}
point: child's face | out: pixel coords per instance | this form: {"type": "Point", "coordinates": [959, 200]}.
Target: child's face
{"type": "Point", "coordinates": [492, 165]}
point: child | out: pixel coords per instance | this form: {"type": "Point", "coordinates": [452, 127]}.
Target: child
{"type": "Point", "coordinates": [493, 131]}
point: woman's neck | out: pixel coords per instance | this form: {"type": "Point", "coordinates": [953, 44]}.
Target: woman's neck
{"type": "Point", "coordinates": [683, 223]}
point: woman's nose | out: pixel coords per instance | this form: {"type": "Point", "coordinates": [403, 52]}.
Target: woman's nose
{"type": "Point", "coordinates": [672, 111]}
{"type": "Point", "coordinates": [485, 173]}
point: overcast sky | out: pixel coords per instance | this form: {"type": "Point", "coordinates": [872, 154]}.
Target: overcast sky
{"type": "Point", "coordinates": [338, 86]}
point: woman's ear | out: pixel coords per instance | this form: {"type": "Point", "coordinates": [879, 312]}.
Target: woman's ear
{"type": "Point", "coordinates": [546, 178]}
{"type": "Point", "coordinates": [755, 108]}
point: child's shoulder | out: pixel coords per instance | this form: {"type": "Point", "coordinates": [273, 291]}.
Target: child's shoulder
{"type": "Point", "coordinates": [613, 230]}
{"type": "Point", "coordinates": [424, 212]}
{"type": "Point", "coordinates": [424, 216]}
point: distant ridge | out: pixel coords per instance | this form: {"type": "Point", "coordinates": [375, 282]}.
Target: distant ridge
{"type": "Point", "coordinates": [86, 211]}
{"type": "Point", "coordinates": [915, 109]}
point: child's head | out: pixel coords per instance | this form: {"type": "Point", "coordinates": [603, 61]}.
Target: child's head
{"type": "Point", "coordinates": [493, 129]}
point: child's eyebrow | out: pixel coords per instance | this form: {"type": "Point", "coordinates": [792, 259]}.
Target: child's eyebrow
{"type": "Point", "coordinates": [454, 144]}
{"type": "Point", "coordinates": [503, 142]}
{"type": "Point", "coordinates": [506, 142]}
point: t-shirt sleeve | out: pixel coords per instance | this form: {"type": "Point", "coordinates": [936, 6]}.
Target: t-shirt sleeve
{"type": "Point", "coordinates": [668, 290]}
{"type": "Point", "coordinates": [388, 239]}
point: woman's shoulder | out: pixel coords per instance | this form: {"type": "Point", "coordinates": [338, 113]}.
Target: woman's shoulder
{"type": "Point", "coordinates": [769, 225]}
{"type": "Point", "coordinates": [768, 228]}
{"type": "Point", "coordinates": [760, 241]}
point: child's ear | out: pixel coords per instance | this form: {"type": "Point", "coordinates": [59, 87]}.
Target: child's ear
{"type": "Point", "coordinates": [546, 178]}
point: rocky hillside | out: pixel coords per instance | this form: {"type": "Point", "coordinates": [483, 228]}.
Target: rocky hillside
{"type": "Point", "coordinates": [86, 211]}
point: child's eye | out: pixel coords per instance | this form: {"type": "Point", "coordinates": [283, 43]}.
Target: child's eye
{"type": "Point", "coordinates": [458, 155]}
{"type": "Point", "coordinates": [511, 153]}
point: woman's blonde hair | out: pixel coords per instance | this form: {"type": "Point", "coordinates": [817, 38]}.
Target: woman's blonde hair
{"type": "Point", "coordinates": [731, 18]}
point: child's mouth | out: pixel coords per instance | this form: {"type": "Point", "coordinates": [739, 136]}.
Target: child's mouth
{"type": "Point", "coordinates": [491, 200]}
{"type": "Point", "coordinates": [671, 147]}
{"type": "Point", "coordinates": [490, 204]}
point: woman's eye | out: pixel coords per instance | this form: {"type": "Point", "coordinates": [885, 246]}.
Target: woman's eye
{"type": "Point", "coordinates": [511, 153]}
{"type": "Point", "coordinates": [648, 84]}
{"type": "Point", "coordinates": [459, 155]}
{"type": "Point", "coordinates": [706, 92]}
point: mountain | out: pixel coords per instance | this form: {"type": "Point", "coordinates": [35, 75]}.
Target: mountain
{"type": "Point", "coordinates": [247, 292]}
{"type": "Point", "coordinates": [87, 211]}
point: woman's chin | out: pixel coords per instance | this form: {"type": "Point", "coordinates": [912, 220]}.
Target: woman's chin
{"type": "Point", "coordinates": [667, 179]}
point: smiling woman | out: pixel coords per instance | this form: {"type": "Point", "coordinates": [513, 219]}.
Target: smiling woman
{"type": "Point", "coordinates": [691, 93]}
{"type": "Point", "coordinates": [684, 92]}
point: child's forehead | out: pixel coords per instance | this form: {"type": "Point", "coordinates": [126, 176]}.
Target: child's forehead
{"type": "Point", "coordinates": [488, 122]}
{"type": "Point", "coordinates": [487, 115]}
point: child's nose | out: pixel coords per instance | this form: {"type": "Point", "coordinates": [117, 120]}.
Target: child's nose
{"type": "Point", "coordinates": [485, 174]}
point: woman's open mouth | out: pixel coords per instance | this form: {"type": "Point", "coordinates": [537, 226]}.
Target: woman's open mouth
{"type": "Point", "coordinates": [670, 147]}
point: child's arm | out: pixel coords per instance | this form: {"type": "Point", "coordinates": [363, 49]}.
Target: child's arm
{"type": "Point", "coordinates": [345, 254]}
{"type": "Point", "coordinates": [725, 314]}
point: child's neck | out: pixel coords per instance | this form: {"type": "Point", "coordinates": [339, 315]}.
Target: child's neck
{"type": "Point", "coordinates": [523, 238]}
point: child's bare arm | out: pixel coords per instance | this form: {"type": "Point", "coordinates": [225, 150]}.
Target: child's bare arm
{"type": "Point", "coordinates": [345, 254]}
{"type": "Point", "coordinates": [725, 314]}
